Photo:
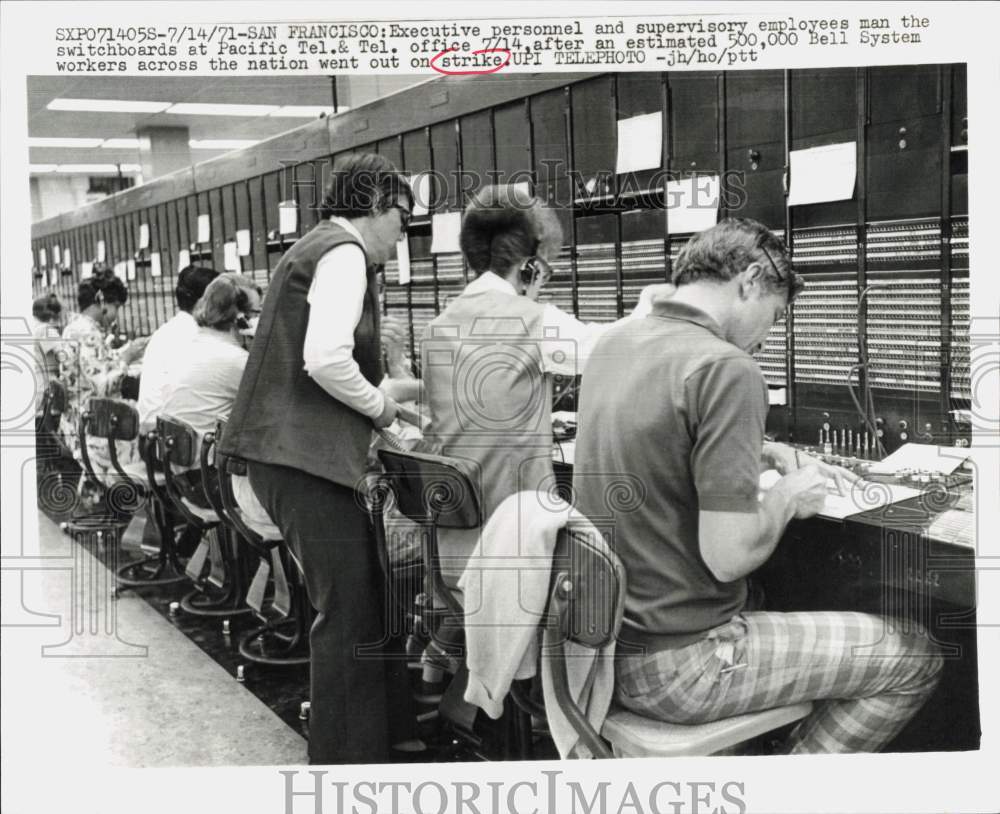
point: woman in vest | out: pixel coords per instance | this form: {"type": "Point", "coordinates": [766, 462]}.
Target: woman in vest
{"type": "Point", "coordinates": [303, 419]}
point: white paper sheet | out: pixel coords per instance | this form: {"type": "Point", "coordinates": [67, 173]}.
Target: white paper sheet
{"type": "Point", "coordinates": [54, 276]}
{"type": "Point", "coordinates": [101, 251]}
{"type": "Point", "coordinates": [143, 235]}
{"type": "Point", "coordinates": [204, 229]}
{"type": "Point", "coordinates": [693, 204]}
{"type": "Point", "coordinates": [155, 269]}
{"type": "Point", "coordinates": [403, 260]}
{"type": "Point", "coordinates": [86, 269]}
{"type": "Point", "coordinates": [927, 457]}
{"type": "Point", "coordinates": [130, 269]}
{"type": "Point", "coordinates": [421, 186]}
{"type": "Point", "coordinates": [230, 259]}
{"type": "Point", "coordinates": [445, 229]}
{"type": "Point", "coordinates": [288, 217]}
{"type": "Point", "coordinates": [120, 270]}
{"type": "Point", "coordinates": [183, 259]}
{"type": "Point", "coordinates": [243, 242]}
{"type": "Point", "coordinates": [862, 496]}
{"type": "Point", "coordinates": [822, 174]}
{"type": "Point", "coordinates": [640, 143]}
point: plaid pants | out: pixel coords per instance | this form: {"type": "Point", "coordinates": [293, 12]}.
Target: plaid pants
{"type": "Point", "coordinates": [867, 679]}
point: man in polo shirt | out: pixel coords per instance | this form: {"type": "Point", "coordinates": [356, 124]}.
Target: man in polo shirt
{"type": "Point", "coordinates": [673, 406]}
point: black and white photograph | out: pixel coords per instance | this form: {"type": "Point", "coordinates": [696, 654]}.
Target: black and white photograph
{"type": "Point", "coordinates": [403, 409]}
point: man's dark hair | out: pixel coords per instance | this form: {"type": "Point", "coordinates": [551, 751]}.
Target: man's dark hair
{"type": "Point", "coordinates": [46, 308]}
{"type": "Point", "coordinates": [726, 249]}
{"type": "Point", "coordinates": [362, 184]}
{"type": "Point", "coordinates": [191, 284]}
{"type": "Point", "coordinates": [504, 225]}
{"type": "Point", "coordinates": [103, 285]}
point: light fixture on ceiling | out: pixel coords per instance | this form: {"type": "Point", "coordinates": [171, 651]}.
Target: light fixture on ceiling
{"type": "Point", "coordinates": [107, 106]}
{"type": "Point", "coordinates": [84, 169]}
{"type": "Point", "coordinates": [211, 109]}
{"type": "Point", "coordinates": [221, 143]}
{"type": "Point", "coordinates": [305, 111]}
{"type": "Point", "coordinates": [121, 143]}
{"type": "Point", "coordinates": [68, 141]}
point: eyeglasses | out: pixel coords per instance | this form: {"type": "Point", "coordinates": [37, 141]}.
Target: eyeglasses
{"type": "Point", "coordinates": [404, 217]}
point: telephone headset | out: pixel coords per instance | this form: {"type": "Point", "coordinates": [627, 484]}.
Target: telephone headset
{"type": "Point", "coordinates": [532, 266]}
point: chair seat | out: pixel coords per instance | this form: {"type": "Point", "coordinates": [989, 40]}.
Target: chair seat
{"type": "Point", "coordinates": [137, 472]}
{"type": "Point", "coordinates": [268, 531]}
{"type": "Point", "coordinates": [634, 735]}
{"type": "Point", "coordinates": [203, 514]}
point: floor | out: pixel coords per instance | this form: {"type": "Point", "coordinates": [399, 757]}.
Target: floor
{"type": "Point", "coordinates": [121, 683]}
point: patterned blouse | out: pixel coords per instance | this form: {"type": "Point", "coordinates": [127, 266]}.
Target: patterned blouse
{"type": "Point", "coordinates": [88, 369]}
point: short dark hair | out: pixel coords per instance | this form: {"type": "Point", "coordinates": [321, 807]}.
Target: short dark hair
{"type": "Point", "coordinates": [46, 307]}
{"type": "Point", "coordinates": [363, 183]}
{"type": "Point", "coordinates": [191, 284]}
{"type": "Point", "coordinates": [725, 250]}
{"type": "Point", "coordinates": [225, 298]}
{"type": "Point", "coordinates": [504, 225]}
{"type": "Point", "coordinates": [103, 285]}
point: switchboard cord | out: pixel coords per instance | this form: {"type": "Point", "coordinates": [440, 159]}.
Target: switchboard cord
{"type": "Point", "coordinates": [868, 412]}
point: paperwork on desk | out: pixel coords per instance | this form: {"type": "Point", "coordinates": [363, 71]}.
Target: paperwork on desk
{"type": "Point", "coordinates": [821, 174]}
{"type": "Point", "coordinates": [922, 457]}
{"type": "Point", "coordinates": [862, 496]}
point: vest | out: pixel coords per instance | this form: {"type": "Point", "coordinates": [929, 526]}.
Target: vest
{"type": "Point", "coordinates": [281, 416]}
{"type": "Point", "coordinates": [481, 362]}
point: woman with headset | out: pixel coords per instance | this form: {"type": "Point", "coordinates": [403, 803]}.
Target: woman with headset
{"type": "Point", "coordinates": [489, 358]}
{"type": "Point", "coordinates": [90, 368]}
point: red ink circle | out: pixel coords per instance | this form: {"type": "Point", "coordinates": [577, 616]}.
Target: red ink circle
{"type": "Point", "coordinates": [473, 71]}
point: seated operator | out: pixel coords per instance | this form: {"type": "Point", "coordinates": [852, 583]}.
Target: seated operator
{"type": "Point", "coordinates": [166, 342]}
{"type": "Point", "coordinates": [488, 358]}
{"type": "Point", "coordinates": [675, 406]}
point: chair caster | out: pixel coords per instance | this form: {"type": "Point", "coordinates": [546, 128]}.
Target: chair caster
{"type": "Point", "coordinates": [225, 627]}
{"type": "Point", "coordinates": [174, 608]}
{"type": "Point", "coordinates": [241, 673]}
{"type": "Point", "coordinates": [304, 709]}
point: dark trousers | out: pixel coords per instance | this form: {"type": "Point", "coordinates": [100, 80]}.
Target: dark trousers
{"type": "Point", "coordinates": [360, 697]}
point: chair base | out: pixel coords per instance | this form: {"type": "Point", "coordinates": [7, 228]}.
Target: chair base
{"type": "Point", "coordinates": [139, 574]}
{"type": "Point", "coordinates": [633, 735]}
{"type": "Point", "coordinates": [255, 644]}
{"type": "Point", "coordinates": [210, 606]}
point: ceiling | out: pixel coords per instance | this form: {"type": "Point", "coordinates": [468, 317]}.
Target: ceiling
{"type": "Point", "coordinates": [352, 91]}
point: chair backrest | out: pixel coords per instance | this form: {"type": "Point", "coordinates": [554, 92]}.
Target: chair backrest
{"type": "Point", "coordinates": [227, 466]}
{"type": "Point", "coordinates": [176, 445]}
{"type": "Point", "coordinates": [177, 442]}
{"type": "Point", "coordinates": [112, 419]}
{"type": "Point", "coordinates": [433, 489]}
{"type": "Point", "coordinates": [586, 603]}
{"type": "Point", "coordinates": [590, 579]}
